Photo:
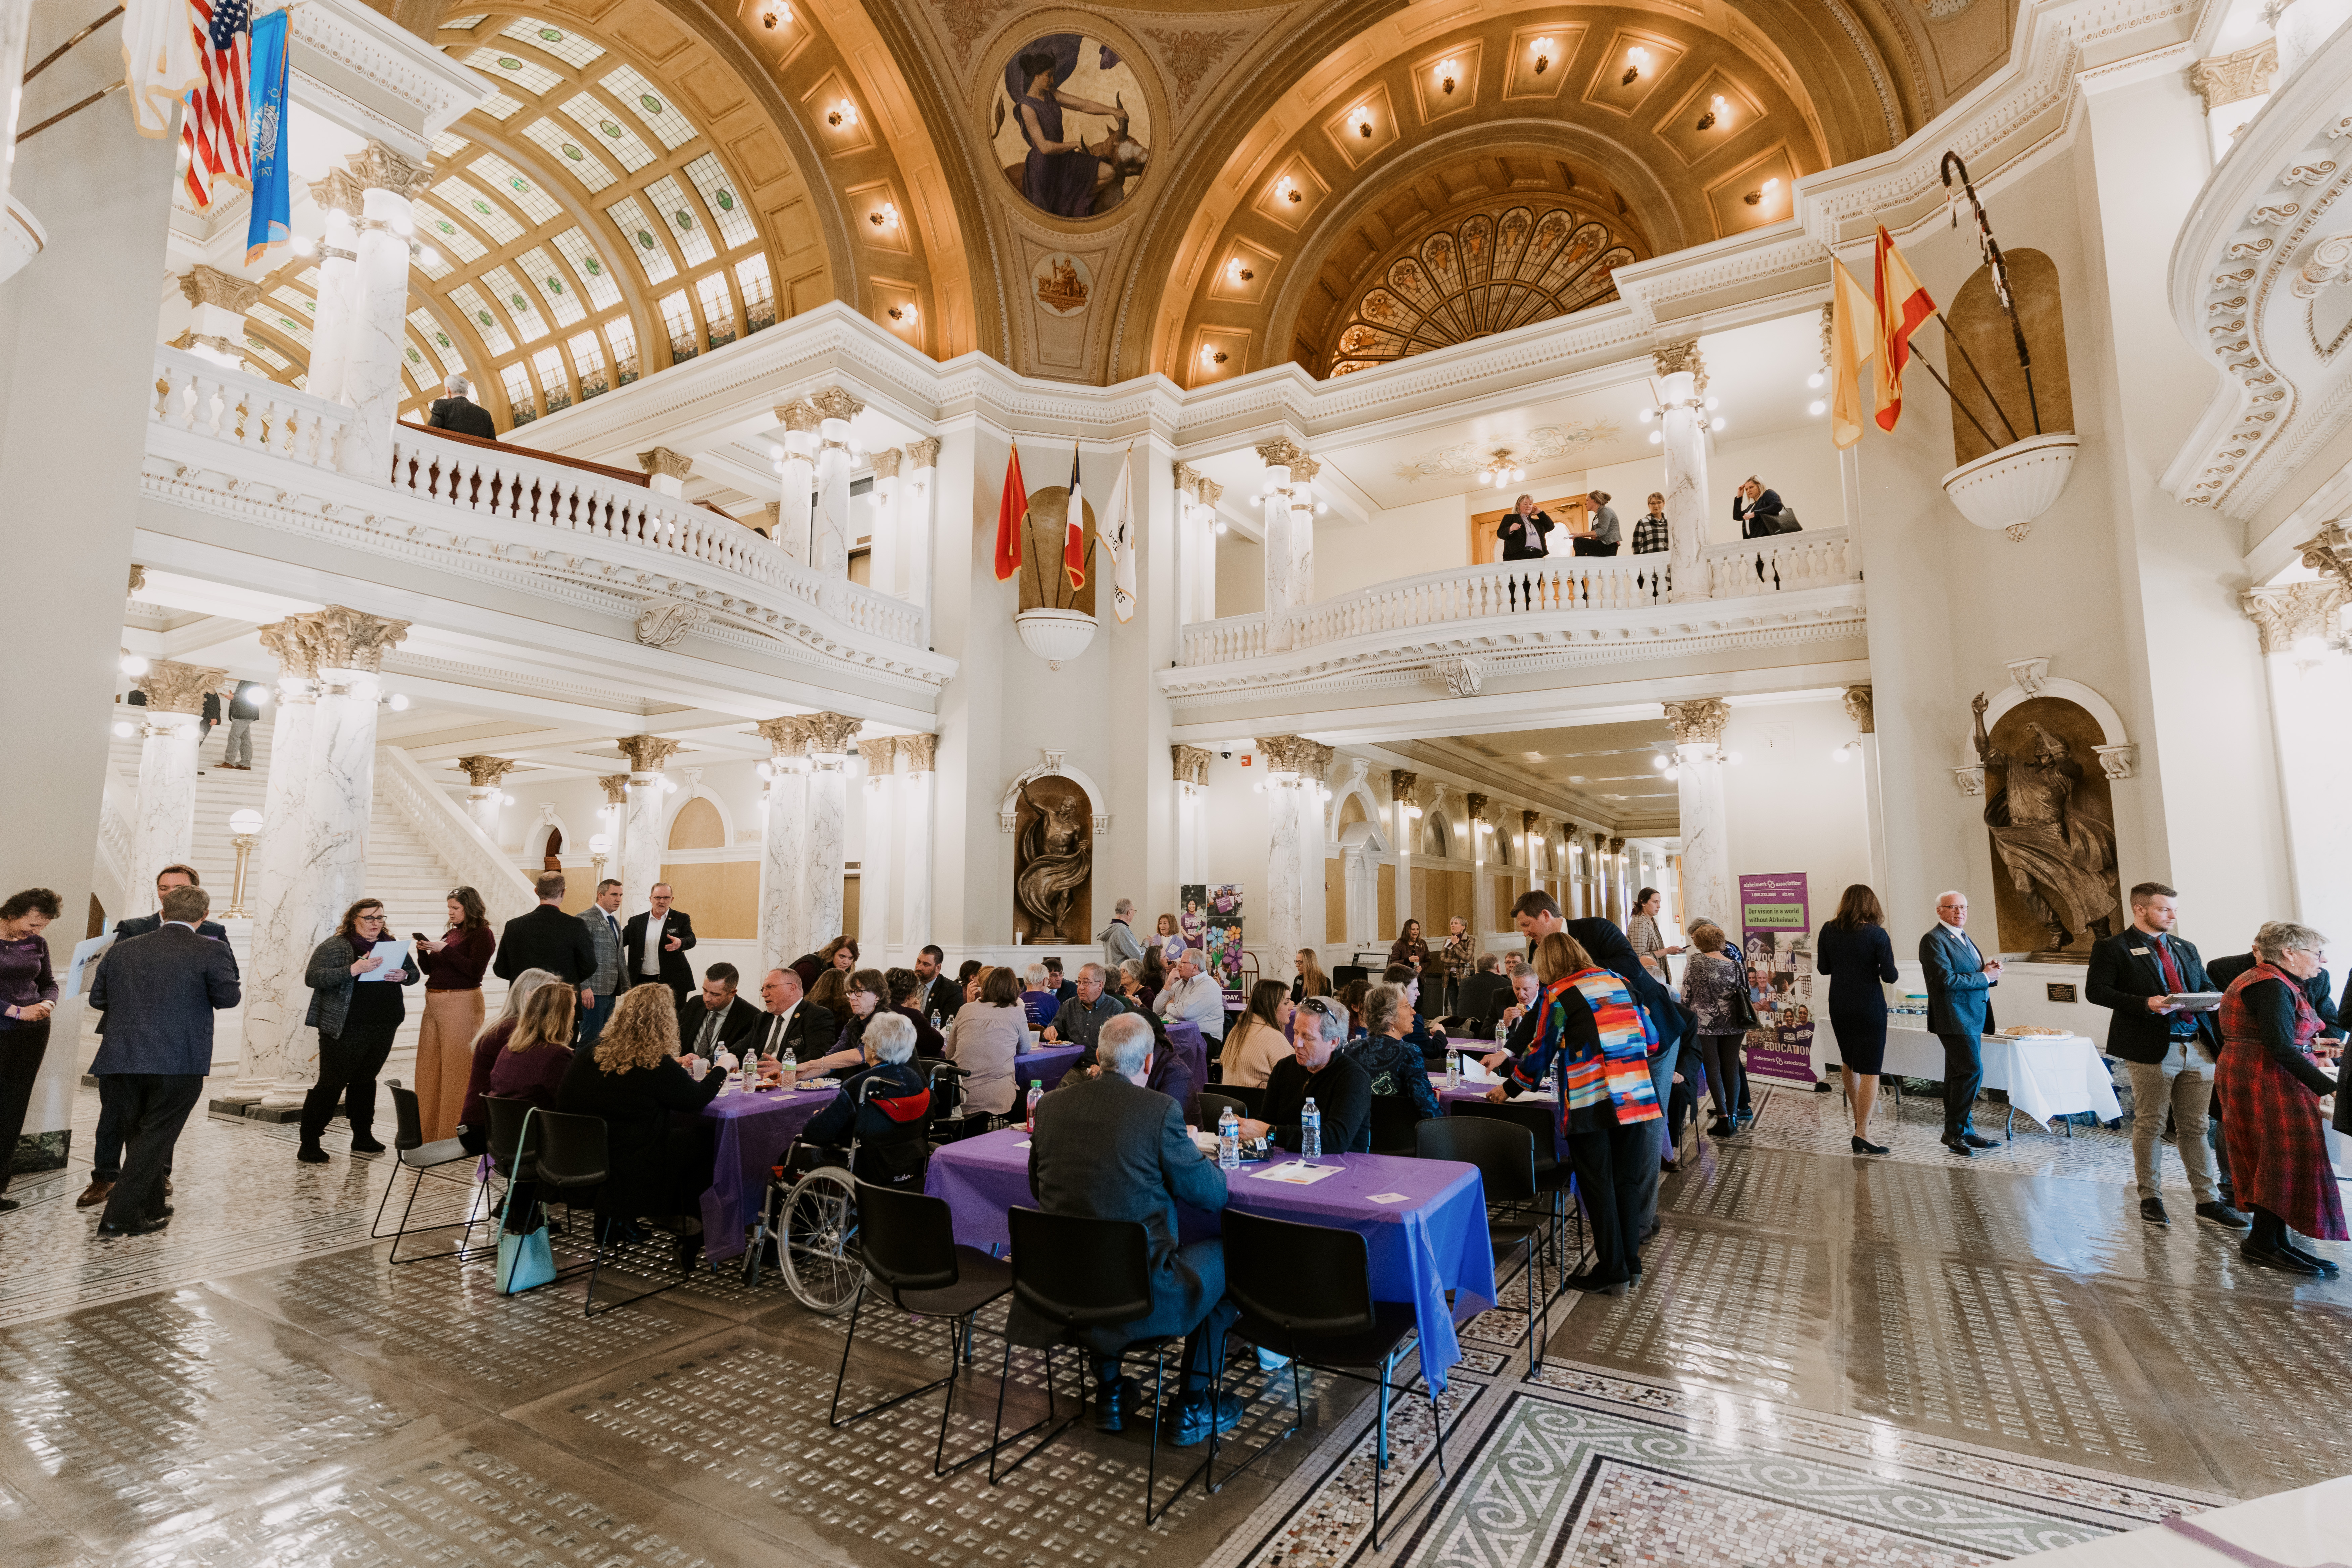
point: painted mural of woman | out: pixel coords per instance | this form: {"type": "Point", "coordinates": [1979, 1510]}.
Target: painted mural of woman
{"type": "Point", "coordinates": [1061, 173]}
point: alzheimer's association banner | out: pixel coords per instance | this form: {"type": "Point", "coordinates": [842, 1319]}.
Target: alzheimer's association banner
{"type": "Point", "coordinates": [1777, 935]}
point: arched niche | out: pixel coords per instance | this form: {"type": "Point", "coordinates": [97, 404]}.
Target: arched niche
{"type": "Point", "coordinates": [698, 823]}
{"type": "Point", "coordinates": [1044, 583]}
{"type": "Point", "coordinates": [1981, 327]}
{"type": "Point", "coordinates": [1053, 814]}
{"type": "Point", "coordinates": [2049, 815]}
{"type": "Point", "coordinates": [1436, 835]}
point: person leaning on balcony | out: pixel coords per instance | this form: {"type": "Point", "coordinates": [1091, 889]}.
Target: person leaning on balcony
{"type": "Point", "coordinates": [1605, 536]}
{"type": "Point", "coordinates": [460, 412]}
{"type": "Point", "coordinates": [1652, 536]}
{"type": "Point", "coordinates": [1522, 531]}
{"type": "Point", "coordinates": [1759, 512]}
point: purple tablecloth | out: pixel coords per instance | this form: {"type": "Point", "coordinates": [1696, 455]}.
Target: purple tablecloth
{"type": "Point", "coordinates": [1450, 1098]}
{"type": "Point", "coordinates": [1433, 1242]}
{"type": "Point", "coordinates": [1046, 1062]}
{"type": "Point", "coordinates": [1186, 1038]}
{"type": "Point", "coordinates": [754, 1130]}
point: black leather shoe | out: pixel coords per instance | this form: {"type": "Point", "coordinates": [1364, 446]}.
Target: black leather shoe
{"type": "Point", "coordinates": [136, 1227]}
{"type": "Point", "coordinates": [2321, 1264]}
{"type": "Point", "coordinates": [1191, 1425]}
{"type": "Point", "coordinates": [310, 1153]}
{"type": "Point", "coordinates": [162, 1214]}
{"type": "Point", "coordinates": [2222, 1214]}
{"type": "Point", "coordinates": [1115, 1404]}
{"type": "Point", "coordinates": [365, 1143]}
{"type": "Point", "coordinates": [1864, 1146]}
{"type": "Point", "coordinates": [1722, 1128]}
{"type": "Point", "coordinates": [9, 1205]}
{"type": "Point", "coordinates": [1975, 1142]}
{"type": "Point", "coordinates": [1593, 1284]}
{"type": "Point", "coordinates": [2260, 1258]}
{"type": "Point", "coordinates": [1953, 1143]}
{"type": "Point", "coordinates": [2152, 1211]}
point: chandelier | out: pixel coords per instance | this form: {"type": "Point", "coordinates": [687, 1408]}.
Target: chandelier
{"type": "Point", "coordinates": [1502, 467]}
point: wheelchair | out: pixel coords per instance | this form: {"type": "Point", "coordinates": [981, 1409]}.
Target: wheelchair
{"type": "Point", "coordinates": [811, 1208]}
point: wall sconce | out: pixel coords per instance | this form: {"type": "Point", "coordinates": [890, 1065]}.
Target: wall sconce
{"type": "Point", "coordinates": [1447, 71]}
{"type": "Point", "coordinates": [1360, 117]}
{"type": "Point", "coordinates": [1211, 356]}
{"type": "Point", "coordinates": [1635, 58]}
{"type": "Point", "coordinates": [1286, 187]}
{"type": "Point", "coordinates": [1717, 110]}
{"type": "Point", "coordinates": [1758, 196]}
{"type": "Point", "coordinates": [844, 113]}
{"type": "Point", "coordinates": [775, 15]}
{"type": "Point", "coordinates": [903, 314]}
{"type": "Point", "coordinates": [883, 216]}
{"type": "Point", "coordinates": [1236, 272]}
{"type": "Point", "coordinates": [1541, 48]}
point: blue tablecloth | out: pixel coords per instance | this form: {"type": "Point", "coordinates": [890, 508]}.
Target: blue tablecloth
{"type": "Point", "coordinates": [754, 1130]}
{"type": "Point", "coordinates": [1433, 1242]}
{"type": "Point", "coordinates": [1049, 1063]}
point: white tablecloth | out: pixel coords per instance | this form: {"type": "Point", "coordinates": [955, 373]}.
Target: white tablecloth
{"type": "Point", "coordinates": [2045, 1075]}
{"type": "Point", "coordinates": [2312, 1524]}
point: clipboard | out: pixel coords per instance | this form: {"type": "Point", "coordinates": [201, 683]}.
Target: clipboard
{"type": "Point", "coordinates": [395, 955]}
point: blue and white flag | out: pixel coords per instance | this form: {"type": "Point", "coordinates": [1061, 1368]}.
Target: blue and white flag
{"type": "Point", "coordinates": [272, 181]}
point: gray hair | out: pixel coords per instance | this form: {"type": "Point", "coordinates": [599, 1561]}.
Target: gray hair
{"type": "Point", "coordinates": [891, 1036]}
{"type": "Point", "coordinates": [1950, 893]}
{"type": "Point", "coordinates": [1036, 976]}
{"type": "Point", "coordinates": [2279, 938]}
{"type": "Point", "coordinates": [456, 387]}
{"type": "Point", "coordinates": [1383, 1003]}
{"type": "Point", "coordinates": [1124, 1044]}
{"type": "Point", "coordinates": [1130, 969]}
{"type": "Point", "coordinates": [1124, 906]}
{"type": "Point", "coordinates": [1328, 1021]}
{"type": "Point", "coordinates": [1198, 957]}
{"type": "Point", "coordinates": [1096, 970]}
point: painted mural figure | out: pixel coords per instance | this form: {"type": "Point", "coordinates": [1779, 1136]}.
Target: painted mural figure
{"type": "Point", "coordinates": [2061, 858]}
{"type": "Point", "coordinates": [1061, 173]}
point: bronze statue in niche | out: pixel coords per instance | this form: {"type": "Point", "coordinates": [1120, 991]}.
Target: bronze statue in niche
{"type": "Point", "coordinates": [1053, 861]}
{"type": "Point", "coordinates": [2052, 824]}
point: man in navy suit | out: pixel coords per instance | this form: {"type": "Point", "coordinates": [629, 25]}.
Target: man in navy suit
{"type": "Point", "coordinates": [159, 993]}
{"type": "Point", "coordinates": [1961, 979]}
{"type": "Point", "coordinates": [106, 1149]}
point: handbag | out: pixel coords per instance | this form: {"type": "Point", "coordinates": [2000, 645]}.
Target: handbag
{"type": "Point", "coordinates": [1743, 1006]}
{"type": "Point", "coordinates": [525, 1261]}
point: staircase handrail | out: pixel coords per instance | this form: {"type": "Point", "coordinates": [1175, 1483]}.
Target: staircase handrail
{"type": "Point", "coordinates": [455, 839]}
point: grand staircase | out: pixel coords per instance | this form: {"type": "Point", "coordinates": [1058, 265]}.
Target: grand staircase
{"type": "Point", "coordinates": [403, 869]}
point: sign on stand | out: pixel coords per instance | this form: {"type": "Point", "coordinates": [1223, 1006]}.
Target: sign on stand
{"type": "Point", "coordinates": [1777, 937]}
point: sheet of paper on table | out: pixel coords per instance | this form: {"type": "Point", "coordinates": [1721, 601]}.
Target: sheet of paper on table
{"type": "Point", "coordinates": [1391, 1197]}
{"type": "Point", "coordinates": [1297, 1172]}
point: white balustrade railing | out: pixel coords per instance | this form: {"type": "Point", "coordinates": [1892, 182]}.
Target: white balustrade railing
{"type": "Point", "coordinates": [196, 394]}
{"type": "Point", "coordinates": [457, 840]}
{"type": "Point", "coordinates": [1486, 594]}
{"type": "Point", "coordinates": [114, 835]}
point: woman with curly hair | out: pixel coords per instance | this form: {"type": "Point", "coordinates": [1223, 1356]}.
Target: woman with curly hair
{"type": "Point", "coordinates": [355, 1024]}
{"type": "Point", "coordinates": [634, 1078]}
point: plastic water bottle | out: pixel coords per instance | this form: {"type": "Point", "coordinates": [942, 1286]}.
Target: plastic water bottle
{"type": "Point", "coordinates": [724, 1060]}
{"type": "Point", "coordinates": [1037, 1093]}
{"type": "Point", "coordinates": [1310, 1131]}
{"type": "Point", "coordinates": [1229, 1141]}
{"type": "Point", "coordinates": [1452, 1069]}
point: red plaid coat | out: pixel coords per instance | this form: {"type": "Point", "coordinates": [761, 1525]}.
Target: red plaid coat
{"type": "Point", "coordinates": [2278, 1154]}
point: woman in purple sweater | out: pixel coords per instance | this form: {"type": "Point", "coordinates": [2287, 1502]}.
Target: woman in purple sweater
{"type": "Point", "coordinates": [29, 992]}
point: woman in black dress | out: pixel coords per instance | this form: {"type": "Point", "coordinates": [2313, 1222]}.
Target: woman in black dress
{"type": "Point", "coordinates": [1855, 954]}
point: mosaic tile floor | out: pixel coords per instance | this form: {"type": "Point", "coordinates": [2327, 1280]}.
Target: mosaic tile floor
{"type": "Point", "coordinates": [1898, 1360]}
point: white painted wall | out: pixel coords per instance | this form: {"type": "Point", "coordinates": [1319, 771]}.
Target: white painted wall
{"type": "Point", "coordinates": [1788, 806]}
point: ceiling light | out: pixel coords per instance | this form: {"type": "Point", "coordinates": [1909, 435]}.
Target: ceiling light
{"type": "Point", "coordinates": [1360, 117]}
{"type": "Point", "coordinates": [775, 15]}
{"type": "Point", "coordinates": [1816, 408]}
{"type": "Point", "coordinates": [843, 114]}
{"type": "Point", "coordinates": [1660, 761]}
{"type": "Point", "coordinates": [1674, 772]}
{"type": "Point", "coordinates": [775, 451]}
{"type": "Point", "coordinates": [1221, 525]}
{"type": "Point", "coordinates": [1648, 415]}
{"type": "Point", "coordinates": [1542, 49]}
{"type": "Point", "coordinates": [124, 729]}
{"type": "Point", "coordinates": [1321, 507]}
{"type": "Point", "coordinates": [1814, 380]}
{"type": "Point", "coordinates": [1236, 273]}
{"type": "Point", "coordinates": [883, 216]}
{"type": "Point", "coordinates": [903, 314]}
{"type": "Point", "coordinates": [1635, 58]}
{"type": "Point", "coordinates": [300, 245]}
{"type": "Point", "coordinates": [1715, 423]}
{"type": "Point", "coordinates": [1763, 193]}
{"type": "Point", "coordinates": [427, 257]}
{"type": "Point", "coordinates": [260, 698]}
{"type": "Point", "coordinates": [1286, 188]}
{"type": "Point", "coordinates": [1446, 73]}
{"type": "Point", "coordinates": [1211, 356]}
{"type": "Point", "coordinates": [400, 702]}
{"type": "Point", "coordinates": [1656, 437]}
{"type": "Point", "coordinates": [1711, 403]}
{"type": "Point", "coordinates": [401, 224]}
{"type": "Point", "coordinates": [132, 665]}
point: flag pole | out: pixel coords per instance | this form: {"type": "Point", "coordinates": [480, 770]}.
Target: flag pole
{"type": "Point", "coordinates": [1953, 338]}
{"type": "Point", "coordinates": [1999, 264]}
{"type": "Point", "coordinates": [1931, 370]}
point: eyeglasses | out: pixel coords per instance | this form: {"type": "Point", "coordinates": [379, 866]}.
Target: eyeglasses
{"type": "Point", "coordinates": [1322, 1005]}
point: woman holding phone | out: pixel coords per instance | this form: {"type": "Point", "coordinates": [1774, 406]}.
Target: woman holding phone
{"type": "Point", "coordinates": [454, 967]}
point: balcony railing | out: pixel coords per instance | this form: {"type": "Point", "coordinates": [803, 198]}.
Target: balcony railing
{"type": "Point", "coordinates": [1487, 598]}
{"type": "Point", "coordinates": [577, 519]}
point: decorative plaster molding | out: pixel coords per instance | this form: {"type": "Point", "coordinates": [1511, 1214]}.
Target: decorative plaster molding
{"type": "Point", "coordinates": [1191, 764]}
{"type": "Point", "coordinates": [836, 403]}
{"type": "Point", "coordinates": [378, 168]}
{"type": "Point", "coordinates": [173, 687]}
{"type": "Point", "coordinates": [437, 90]}
{"type": "Point", "coordinates": [922, 752]}
{"type": "Point", "coordinates": [1295, 754]}
{"type": "Point", "coordinates": [485, 772]}
{"type": "Point", "coordinates": [1674, 359]}
{"type": "Point", "coordinates": [138, 578]}
{"type": "Point", "coordinates": [1476, 802]}
{"type": "Point", "coordinates": [2330, 553]}
{"type": "Point", "coordinates": [666, 464]}
{"type": "Point", "coordinates": [2118, 762]}
{"type": "Point", "coordinates": [1187, 480]}
{"type": "Point", "coordinates": [786, 737]}
{"type": "Point", "coordinates": [1699, 722]}
{"type": "Point", "coordinates": [879, 757]}
{"type": "Point", "coordinates": [1404, 785]}
{"type": "Point", "coordinates": [2285, 616]}
{"type": "Point", "coordinates": [202, 284]}
{"type": "Point", "coordinates": [647, 753]}
{"type": "Point", "coordinates": [1281, 452]}
{"type": "Point", "coordinates": [2233, 77]}
{"type": "Point", "coordinates": [830, 734]}
{"type": "Point", "coordinates": [2030, 675]}
{"type": "Point", "coordinates": [346, 639]}
{"type": "Point", "coordinates": [666, 622]}
{"type": "Point", "coordinates": [923, 454]}
{"type": "Point", "coordinates": [1462, 674]}
{"type": "Point", "coordinates": [801, 417]}
{"type": "Point", "coordinates": [290, 642]}
{"type": "Point", "coordinates": [341, 192]}
{"type": "Point", "coordinates": [886, 462]}
{"type": "Point", "coordinates": [1858, 709]}
{"type": "Point", "coordinates": [615, 787]}
{"type": "Point", "coordinates": [1050, 763]}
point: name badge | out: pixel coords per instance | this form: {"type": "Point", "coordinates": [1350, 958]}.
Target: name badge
{"type": "Point", "coordinates": [2139, 953]}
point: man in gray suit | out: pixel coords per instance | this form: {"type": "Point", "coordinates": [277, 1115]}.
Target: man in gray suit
{"type": "Point", "coordinates": [1961, 979]}
{"type": "Point", "coordinates": [603, 987]}
{"type": "Point", "coordinates": [159, 993]}
{"type": "Point", "coordinates": [1110, 1148]}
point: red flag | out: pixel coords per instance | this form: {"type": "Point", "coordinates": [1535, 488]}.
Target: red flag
{"type": "Point", "coordinates": [1012, 514]}
{"type": "Point", "coordinates": [1902, 304]}
{"type": "Point", "coordinates": [1074, 533]}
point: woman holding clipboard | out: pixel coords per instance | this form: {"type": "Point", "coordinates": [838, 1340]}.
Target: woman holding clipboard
{"type": "Point", "coordinates": [355, 976]}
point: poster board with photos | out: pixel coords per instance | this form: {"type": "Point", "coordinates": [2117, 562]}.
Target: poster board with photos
{"type": "Point", "coordinates": [1777, 944]}
{"type": "Point", "coordinates": [1211, 919]}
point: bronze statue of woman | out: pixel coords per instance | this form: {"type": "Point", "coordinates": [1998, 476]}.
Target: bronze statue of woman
{"type": "Point", "coordinates": [1055, 861]}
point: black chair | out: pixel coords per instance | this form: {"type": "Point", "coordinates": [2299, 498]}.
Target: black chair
{"type": "Point", "coordinates": [567, 1154]}
{"type": "Point", "coordinates": [416, 1155]}
{"type": "Point", "coordinates": [1214, 1104]}
{"type": "Point", "coordinates": [1394, 1116]}
{"type": "Point", "coordinates": [1553, 1177]}
{"type": "Point", "coordinates": [907, 1242]}
{"type": "Point", "coordinates": [1505, 1155]}
{"type": "Point", "coordinates": [1306, 1292]}
{"type": "Point", "coordinates": [1080, 1274]}
{"type": "Point", "coordinates": [505, 1137]}
{"type": "Point", "coordinates": [1252, 1097]}
{"type": "Point", "coordinates": [1345, 973]}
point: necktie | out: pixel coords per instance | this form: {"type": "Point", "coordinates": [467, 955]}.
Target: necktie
{"type": "Point", "coordinates": [2165, 961]}
{"type": "Point", "coordinates": [709, 1028]}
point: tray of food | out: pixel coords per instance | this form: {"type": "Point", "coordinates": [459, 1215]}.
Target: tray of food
{"type": "Point", "coordinates": [2035, 1032]}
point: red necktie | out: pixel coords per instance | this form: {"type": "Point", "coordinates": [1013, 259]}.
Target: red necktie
{"type": "Point", "coordinates": [2171, 970]}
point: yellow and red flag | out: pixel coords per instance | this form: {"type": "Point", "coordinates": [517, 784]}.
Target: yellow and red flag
{"type": "Point", "coordinates": [1854, 338]}
{"type": "Point", "coordinates": [1012, 513]}
{"type": "Point", "coordinates": [1903, 303]}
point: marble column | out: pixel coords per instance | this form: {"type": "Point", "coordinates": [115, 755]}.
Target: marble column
{"type": "Point", "coordinates": [1294, 781]}
{"type": "Point", "coordinates": [796, 479]}
{"type": "Point", "coordinates": [1699, 775]}
{"type": "Point", "coordinates": [613, 820]}
{"type": "Point", "coordinates": [1192, 768]}
{"type": "Point", "coordinates": [338, 798]}
{"type": "Point", "coordinates": [371, 383]}
{"type": "Point", "coordinates": [918, 510]}
{"type": "Point", "coordinates": [784, 850]}
{"type": "Point", "coordinates": [881, 760]}
{"type": "Point", "coordinates": [1682, 377]}
{"type": "Point", "coordinates": [163, 823]}
{"type": "Point", "coordinates": [483, 777]}
{"type": "Point", "coordinates": [278, 947]}
{"type": "Point", "coordinates": [342, 199]}
{"type": "Point", "coordinates": [1404, 795]}
{"type": "Point", "coordinates": [1203, 578]}
{"type": "Point", "coordinates": [888, 551]}
{"type": "Point", "coordinates": [642, 839]}
{"type": "Point", "coordinates": [217, 302]}
{"type": "Point", "coordinates": [1484, 916]}
{"type": "Point", "coordinates": [2302, 644]}
{"type": "Point", "coordinates": [831, 736]}
{"type": "Point", "coordinates": [916, 793]}
{"type": "Point", "coordinates": [1283, 459]}
{"type": "Point", "coordinates": [665, 471]}
{"type": "Point", "coordinates": [832, 533]}
{"type": "Point", "coordinates": [1860, 709]}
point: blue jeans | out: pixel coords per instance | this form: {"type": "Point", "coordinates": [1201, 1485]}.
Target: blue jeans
{"type": "Point", "coordinates": [1662, 1077]}
{"type": "Point", "coordinates": [593, 1019]}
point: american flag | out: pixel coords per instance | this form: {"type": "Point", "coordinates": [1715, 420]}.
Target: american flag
{"type": "Point", "coordinates": [216, 130]}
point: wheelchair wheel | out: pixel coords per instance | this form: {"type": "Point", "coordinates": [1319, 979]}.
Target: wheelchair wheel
{"type": "Point", "coordinates": [818, 1241]}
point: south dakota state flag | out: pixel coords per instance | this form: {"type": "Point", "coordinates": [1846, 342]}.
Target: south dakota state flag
{"type": "Point", "coordinates": [272, 184]}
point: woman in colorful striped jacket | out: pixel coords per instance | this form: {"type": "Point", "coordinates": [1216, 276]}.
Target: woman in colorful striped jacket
{"type": "Point", "coordinates": [1586, 1019]}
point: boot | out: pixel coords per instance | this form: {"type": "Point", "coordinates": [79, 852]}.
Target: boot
{"type": "Point", "coordinates": [317, 1112]}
